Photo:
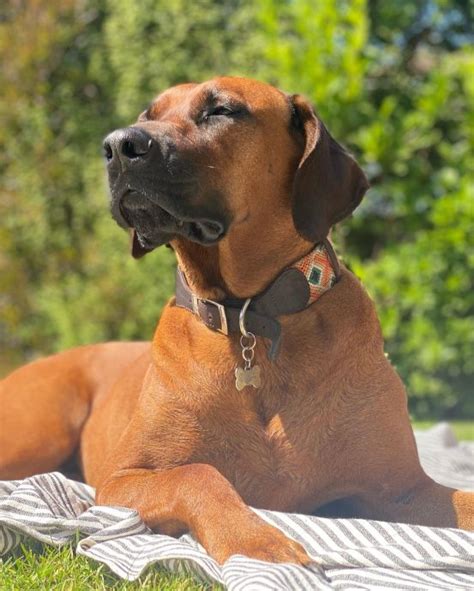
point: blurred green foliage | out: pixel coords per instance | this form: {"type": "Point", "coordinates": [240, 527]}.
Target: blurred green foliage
{"type": "Point", "coordinates": [392, 80]}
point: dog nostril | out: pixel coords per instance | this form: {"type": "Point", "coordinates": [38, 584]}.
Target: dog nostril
{"type": "Point", "coordinates": [108, 153]}
{"type": "Point", "coordinates": [131, 150]}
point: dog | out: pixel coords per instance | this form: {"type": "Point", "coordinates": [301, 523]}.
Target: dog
{"type": "Point", "coordinates": [266, 383]}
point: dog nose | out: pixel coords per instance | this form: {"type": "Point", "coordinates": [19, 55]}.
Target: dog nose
{"type": "Point", "coordinates": [127, 145]}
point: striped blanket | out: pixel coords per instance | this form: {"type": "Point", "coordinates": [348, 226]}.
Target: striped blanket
{"type": "Point", "coordinates": [349, 554]}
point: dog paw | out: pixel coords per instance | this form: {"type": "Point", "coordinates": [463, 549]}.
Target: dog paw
{"type": "Point", "coordinates": [256, 539]}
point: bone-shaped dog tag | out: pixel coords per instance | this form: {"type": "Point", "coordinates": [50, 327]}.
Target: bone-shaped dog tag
{"type": "Point", "coordinates": [247, 377]}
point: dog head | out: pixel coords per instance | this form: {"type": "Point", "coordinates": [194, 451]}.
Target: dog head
{"type": "Point", "coordinates": [232, 170]}
{"type": "Point", "coordinates": [233, 161]}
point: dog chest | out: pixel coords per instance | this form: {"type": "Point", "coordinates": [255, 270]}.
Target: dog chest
{"type": "Point", "coordinates": [273, 465]}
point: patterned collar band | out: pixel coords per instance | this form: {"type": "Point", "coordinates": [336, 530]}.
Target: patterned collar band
{"type": "Point", "coordinates": [297, 287]}
{"type": "Point", "coordinates": [321, 269]}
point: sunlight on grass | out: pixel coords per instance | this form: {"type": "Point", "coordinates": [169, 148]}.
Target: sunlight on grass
{"type": "Point", "coordinates": [60, 570]}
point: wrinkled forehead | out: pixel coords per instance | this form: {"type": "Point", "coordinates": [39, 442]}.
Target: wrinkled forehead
{"type": "Point", "coordinates": [258, 98]}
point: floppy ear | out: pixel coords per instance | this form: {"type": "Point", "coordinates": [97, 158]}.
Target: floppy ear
{"type": "Point", "coordinates": [329, 184]}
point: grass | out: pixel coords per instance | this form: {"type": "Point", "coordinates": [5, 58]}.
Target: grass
{"type": "Point", "coordinates": [61, 570]}
{"type": "Point", "coordinates": [464, 430]}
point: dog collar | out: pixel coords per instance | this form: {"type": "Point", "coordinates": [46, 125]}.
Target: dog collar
{"type": "Point", "coordinates": [297, 287]}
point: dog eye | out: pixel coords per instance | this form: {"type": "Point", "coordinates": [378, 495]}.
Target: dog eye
{"type": "Point", "coordinates": [217, 112]}
{"type": "Point", "coordinates": [220, 111]}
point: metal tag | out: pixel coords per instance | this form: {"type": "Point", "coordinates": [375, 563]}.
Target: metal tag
{"type": "Point", "coordinates": [247, 377]}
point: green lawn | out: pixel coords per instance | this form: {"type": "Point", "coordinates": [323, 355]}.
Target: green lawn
{"type": "Point", "coordinates": [464, 430]}
{"type": "Point", "coordinates": [60, 570]}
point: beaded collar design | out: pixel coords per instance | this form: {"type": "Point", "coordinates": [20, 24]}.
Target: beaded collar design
{"type": "Point", "coordinates": [318, 268]}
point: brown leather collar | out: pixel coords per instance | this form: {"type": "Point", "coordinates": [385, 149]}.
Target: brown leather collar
{"type": "Point", "coordinates": [289, 293]}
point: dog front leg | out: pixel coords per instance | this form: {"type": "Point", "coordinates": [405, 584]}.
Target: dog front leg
{"type": "Point", "coordinates": [198, 498]}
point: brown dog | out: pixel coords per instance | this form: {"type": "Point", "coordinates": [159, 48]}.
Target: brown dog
{"type": "Point", "coordinates": [242, 181]}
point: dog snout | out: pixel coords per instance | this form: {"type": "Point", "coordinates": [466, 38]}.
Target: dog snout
{"type": "Point", "coordinates": [128, 146]}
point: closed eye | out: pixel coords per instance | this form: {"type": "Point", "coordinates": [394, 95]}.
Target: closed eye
{"type": "Point", "coordinates": [218, 111]}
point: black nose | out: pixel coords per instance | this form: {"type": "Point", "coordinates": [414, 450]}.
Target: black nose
{"type": "Point", "coordinates": [128, 145]}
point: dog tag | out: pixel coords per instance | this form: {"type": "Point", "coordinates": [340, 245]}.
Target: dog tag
{"type": "Point", "coordinates": [247, 377]}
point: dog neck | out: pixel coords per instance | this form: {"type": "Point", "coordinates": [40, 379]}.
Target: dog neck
{"type": "Point", "coordinates": [234, 267]}
{"type": "Point", "coordinates": [298, 286]}
{"type": "Point", "coordinates": [200, 265]}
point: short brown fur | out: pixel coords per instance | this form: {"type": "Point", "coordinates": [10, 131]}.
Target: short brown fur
{"type": "Point", "coordinates": [164, 430]}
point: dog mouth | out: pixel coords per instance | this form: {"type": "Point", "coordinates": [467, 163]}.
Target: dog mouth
{"type": "Point", "coordinates": [154, 225]}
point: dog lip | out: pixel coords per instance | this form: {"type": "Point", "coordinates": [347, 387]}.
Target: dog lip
{"type": "Point", "coordinates": [143, 240]}
{"type": "Point", "coordinates": [123, 213]}
{"type": "Point", "coordinates": [152, 203]}
{"type": "Point", "coordinates": [204, 231]}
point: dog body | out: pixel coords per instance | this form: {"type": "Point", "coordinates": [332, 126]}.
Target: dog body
{"type": "Point", "coordinates": [241, 180]}
{"type": "Point", "coordinates": [278, 445]}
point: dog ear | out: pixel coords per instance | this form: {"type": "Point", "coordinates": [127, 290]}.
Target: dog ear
{"type": "Point", "coordinates": [329, 184]}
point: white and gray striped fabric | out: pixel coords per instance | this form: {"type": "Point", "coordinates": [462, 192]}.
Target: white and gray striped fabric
{"type": "Point", "coordinates": [349, 554]}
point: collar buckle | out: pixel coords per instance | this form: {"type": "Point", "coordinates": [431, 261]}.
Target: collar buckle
{"type": "Point", "coordinates": [207, 316]}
